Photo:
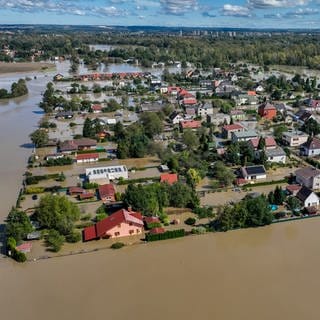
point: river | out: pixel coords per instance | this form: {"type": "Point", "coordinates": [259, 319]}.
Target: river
{"type": "Point", "coordinates": [265, 273]}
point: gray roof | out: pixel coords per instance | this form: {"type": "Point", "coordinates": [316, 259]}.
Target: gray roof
{"type": "Point", "coordinates": [276, 152]}
{"type": "Point", "coordinates": [307, 172]}
{"type": "Point", "coordinates": [245, 134]}
{"type": "Point", "coordinates": [304, 193]}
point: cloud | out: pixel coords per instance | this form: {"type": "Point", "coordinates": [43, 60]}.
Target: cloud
{"type": "Point", "coordinates": [235, 11]}
{"type": "Point", "coordinates": [178, 7]}
{"type": "Point", "coordinates": [61, 7]}
{"type": "Point", "coordinates": [208, 14]}
{"type": "Point", "coordinates": [302, 12]}
{"type": "Point", "coordinates": [264, 4]}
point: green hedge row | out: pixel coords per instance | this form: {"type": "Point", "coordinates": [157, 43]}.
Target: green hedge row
{"type": "Point", "coordinates": [35, 179]}
{"type": "Point", "coordinates": [166, 235]}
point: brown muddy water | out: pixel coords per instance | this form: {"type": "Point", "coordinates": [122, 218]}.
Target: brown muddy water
{"type": "Point", "coordinates": [266, 273]}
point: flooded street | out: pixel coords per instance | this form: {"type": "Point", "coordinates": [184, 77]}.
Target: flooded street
{"type": "Point", "coordinates": [266, 273]}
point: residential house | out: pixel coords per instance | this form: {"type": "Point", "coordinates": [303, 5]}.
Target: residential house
{"type": "Point", "coordinates": [85, 143]}
{"type": "Point", "coordinates": [259, 89]}
{"type": "Point", "coordinates": [87, 157]}
{"type": "Point", "coordinates": [269, 142]}
{"type": "Point", "coordinates": [190, 113]}
{"type": "Point", "coordinates": [74, 191]}
{"type": "Point", "coordinates": [293, 189]}
{"type": "Point", "coordinates": [176, 117]}
{"type": "Point", "coordinates": [102, 175]}
{"type": "Point", "coordinates": [208, 84]}
{"type": "Point", "coordinates": [244, 98]}
{"type": "Point", "coordinates": [151, 107]}
{"type": "Point", "coordinates": [312, 105]}
{"type": "Point", "coordinates": [276, 155]}
{"type": "Point", "coordinates": [169, 178]}
{"type": "Point", "coordinates": [308, 197]}
{"type": "Point", "coordinates": [254, 172]}
{"type": "Point", "coordinates": [120, 224]}
{"type": "Point", "coordinates": [294, 138]}
{"type": "Point", "coordinates": [205, 110]}
{"type": "Point", "coordinates": [218, 119]}
{"type": "Point", "coordinates": [308, 177]}
{"type": "Point", "coordinates": [237, 115]}
{"type": "Point", "coordinates": [189, 101]}
{"type": "Point", "coordinates": [107, 193]}
{"type": "Point", "coordinates": [86, 195]}
{"type": "Point", "coordinates": [190, 124]}
{"type": "Point", "coordinates": [310, 148]}
{"type": "Point", "coordinates": [227, 130]}
{"type": "Point", "coordinates": [64, 115]}
{"type": "Point", "coordinates": [96, 108]}
{"type": "Point", "coordinates": [303, 116]}
{"type": "Point", "coordinates": [267, 111]}
{"type": "Point", "coordinates": [243, 135]}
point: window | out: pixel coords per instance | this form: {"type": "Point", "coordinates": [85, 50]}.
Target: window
{"type": "Point", "coordinates": [117, 234]}
{"type": "Point", "coordinates": [131, 231]}
{"type": "Point", "coordinates": [138, 230]}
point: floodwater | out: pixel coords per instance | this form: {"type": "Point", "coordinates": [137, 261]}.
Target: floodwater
{"type": "Point", "coordinates": [265, 273]}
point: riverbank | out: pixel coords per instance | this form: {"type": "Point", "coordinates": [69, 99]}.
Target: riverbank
{"type": "Point", "coordinates": [18, 67]}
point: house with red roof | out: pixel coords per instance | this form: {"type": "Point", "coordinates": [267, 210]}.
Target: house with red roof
{"type": "Point", "coordinates": [310, 148]}
{"type": "Point", "coordinates": [87, 157]}
{"type": "Point", "coordinates": [96, 108]}
{"type": "Point", "coordinates": [189, 101]}
{"type": "Point", "coordinates": [270, 143]}
{"type": "Point", "coordinates": [190, 124]}
{"type": "Point", "coordinates": [169, 178]}
{"type": "Point", "coordinates": [228, 129]}
{"type": "Point", "coordinates": [267, 111]}
{"type": "Point", "coordinates": [75, 191]}
{"type": "Point", "coordinates": [120, 224]}
{"type": "Point", "coordinates": [24, 247]}
{"type": "Point", "coordinates": [107, 193]}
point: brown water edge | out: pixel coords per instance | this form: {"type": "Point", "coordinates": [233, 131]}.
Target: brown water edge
{"type": "Point", "coordinates": [262, 273]}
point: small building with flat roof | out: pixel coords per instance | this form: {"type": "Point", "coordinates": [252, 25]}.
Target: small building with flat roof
{"type": "Point", "coordinates": [254, 172]}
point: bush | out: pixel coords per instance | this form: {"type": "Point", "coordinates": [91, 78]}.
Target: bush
{"type": "Point", "coordinates": [19, 256]}
{"type": "Point", "coordinates": [153, 225]}
{"type": "Point", "coordinates": [34, 190]}
{"type": "Point", "coordinates": [199, 230]}
{"type": "Point", "coordinates": [117, 245]}
{"type": "Point", "coordinates": [101, 216]}
{"type": "Point", "coordinates": [190, 221]}
{"type": "Point", "coordinates": [86, 217]}
{"type": "Point", "coordinates": [203, 212]}
{"type": "Point", "coordinates": [88, 185]}
{"type": "Point", "coordinates": [73, 237]}
{"type": "Point", "coordinates": [166, 235]}
{"type": "Point", "coordinates": [55, 240]}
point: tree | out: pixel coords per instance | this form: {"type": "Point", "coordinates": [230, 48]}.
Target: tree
{"type": "Point", "coordinates": [58, 213]}
{"type": "Point", "coordinates": [18, 225]}
{"type": "Point", "coordinates": [223, 174]}
{"type": "Point", "coordinates": [279, 195]}
{"type": "Point", "coordinates": [55, 240]}
{"type": "Point", "coordinates": [262, 143]}
{"type": "Point", "coordinates": [189, 138]}
{"type": "Point", "coordinates": [193, 177]}
{"type": "Point", "coordinates": [151, 123]}
{"type": "Point", "coordinates": [311, 127]}
{"type": "Point", "coordinates": [88, 129]}
{"type": "Point", "coordinates": [293, 204]}
{"type": "Point", "coordinates": [40, 138]}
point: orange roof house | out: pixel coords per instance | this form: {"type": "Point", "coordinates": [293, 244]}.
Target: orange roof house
{"type": "Point", "coordinates": [267, 111]}
{"type": "Point", "coordinates": [169, 178]}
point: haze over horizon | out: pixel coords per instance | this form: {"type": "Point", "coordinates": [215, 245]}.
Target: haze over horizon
{"type": "Point", "coordinates": [279, 14]}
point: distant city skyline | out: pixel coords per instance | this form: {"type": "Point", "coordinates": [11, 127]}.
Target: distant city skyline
{"type": "Point", "coordinates": [172, 13]}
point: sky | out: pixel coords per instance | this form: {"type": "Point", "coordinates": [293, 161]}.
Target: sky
{"type": "Point", "coordinates": [180, 13]}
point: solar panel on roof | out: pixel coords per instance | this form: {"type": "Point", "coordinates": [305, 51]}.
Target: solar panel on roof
{"type": "Point", "coordinates": [255, 170]}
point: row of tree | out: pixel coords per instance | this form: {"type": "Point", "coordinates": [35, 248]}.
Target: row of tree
{"type": "Point", "coordinates": [18, 89]}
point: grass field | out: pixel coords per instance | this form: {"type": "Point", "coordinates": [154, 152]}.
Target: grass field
{"type": "Point", "coordinates": [24, 67]}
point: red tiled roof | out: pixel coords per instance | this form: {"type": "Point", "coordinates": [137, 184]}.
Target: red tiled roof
{"type": "Point", "coordinates": [73, 190]}
{"type": "Point", "coordinates": [87, 156]}
{"type": "Point", "coordinates": [24, 247]}
{"type": "Point", "coordinates": [148, 220]}
{"type": "Point", "coordinates": [170, 178]}
{"type": "Point", "coordinates": [293, 187]}
{"type": "Point", "coordinates": [89, 233]}
{"type": "Point", "coordinates": [87, 195]}
{"type": "Point", "coordinates": [189, 100]}
{"type": "Point", "coordinates": [106, 190]}
{"type": "Point", "coordinates": [269, 142]}
{"type": "Point", "coordinates": [230, 127]}
{"type": "Point", "coordinates": [251, 93]}
{"type": "Point", "coordinates": [192, 124]}
{"type": "Point", "coordinates": [116, 218]}
{"type": "Point", "coordinates": [157, 230]}
{"type": "Point", "coordinates": [312, 144]}
{"type": "Point", "coordinates": [96, 107]}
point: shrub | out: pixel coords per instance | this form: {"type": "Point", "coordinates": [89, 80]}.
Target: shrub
{"type": "Point", "coordinates": [190, 221]}
{"type": "Point", "coordinates": [55, 240]}
{"type": "Point", "coordinates": [73, 237]}
{"type": "Point", "coordinates": [33, 190]}
{"type": "Point", "coordinates": [153, 225]}
{"type": "Point", "coordinates": [166, 235]}
{"type": "Point", "coordinates": [203, 212]}
{"type": "Point", "coordinates": [86, 217]}
{"type": "Point", "coordinates": [117, 245]}
{"type": "Point", "coordinates": [198, 230]}
{"type": "Point", "coordinates": [101, 216]}
{"type": "Point", "coordinates": [88, 185]}
{"type": "Point", "coordinates": [19, 256]}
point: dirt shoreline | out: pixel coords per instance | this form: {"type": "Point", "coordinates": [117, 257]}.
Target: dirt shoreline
{"type": "Point", "coordinates": [18, 67]}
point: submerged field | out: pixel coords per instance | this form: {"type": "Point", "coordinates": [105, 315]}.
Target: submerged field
{"type": "Point", "coordinates": [24, 67]}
